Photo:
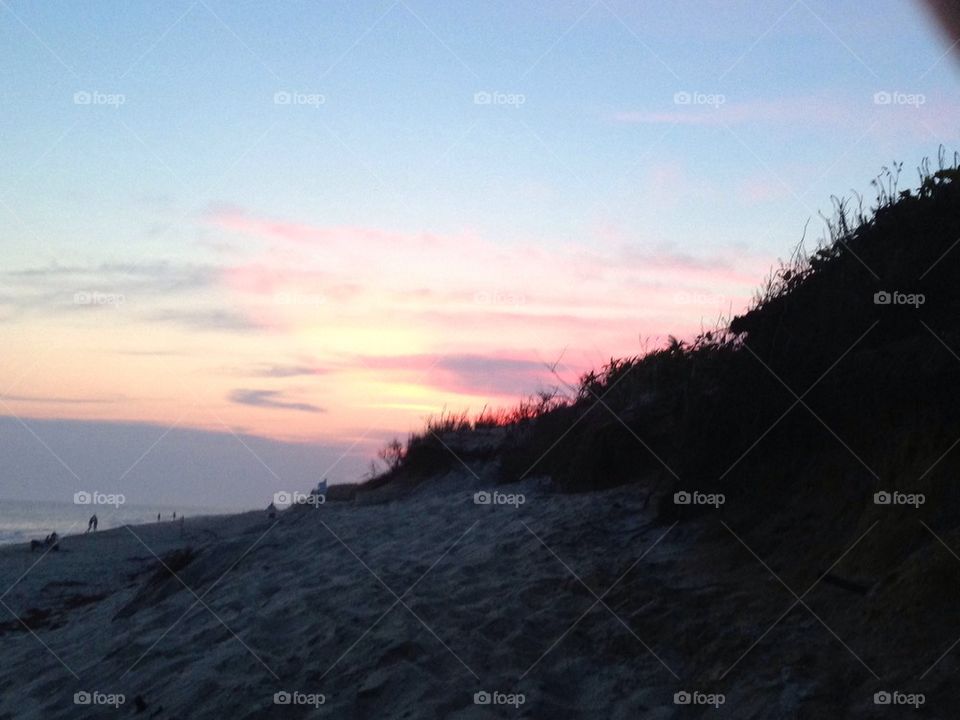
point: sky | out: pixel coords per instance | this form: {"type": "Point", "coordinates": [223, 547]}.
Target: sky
{"type": "Point", "coordinates": [321, 222]}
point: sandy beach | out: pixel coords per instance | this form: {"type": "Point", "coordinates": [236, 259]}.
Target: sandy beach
{"type": "Point", "coordinates": [553, 605]}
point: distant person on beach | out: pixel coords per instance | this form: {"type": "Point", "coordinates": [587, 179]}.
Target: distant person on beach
{"type": "Point", "coordinates": [158, 517]}
{"type": "Point", "coordinates": [50, 542]}
{"type": "Point", "coordinates": [271, 511]}
{"type": "Point", "coordinates": [92, 524]}
{"type": "Point", "coordinates": [174, 514]}
{"type": "Point", "coordinates": [53, 541]}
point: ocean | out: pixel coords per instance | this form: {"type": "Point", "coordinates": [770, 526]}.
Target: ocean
{"type": "Point", "coordinates": [24, 520]}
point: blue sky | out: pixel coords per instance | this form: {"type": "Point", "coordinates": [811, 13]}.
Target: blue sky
{"type": "Point", "coordinates": [399, 142]}
{"type": "Point", "coordinates": [322, 185]}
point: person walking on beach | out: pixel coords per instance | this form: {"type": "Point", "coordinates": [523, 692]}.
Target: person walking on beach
{"type": "Point", "coordinates": [92, 524]}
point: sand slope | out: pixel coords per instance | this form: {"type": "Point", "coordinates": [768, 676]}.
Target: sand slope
{"type": "Point", "coordinates": [407, 609]}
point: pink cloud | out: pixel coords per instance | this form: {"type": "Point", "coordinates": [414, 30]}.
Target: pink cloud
{"type": "Point", "coordinates": [408, 297]}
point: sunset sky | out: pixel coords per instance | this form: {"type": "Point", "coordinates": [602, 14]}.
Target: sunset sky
{"type": "Point", "coordinates": [324, 221]}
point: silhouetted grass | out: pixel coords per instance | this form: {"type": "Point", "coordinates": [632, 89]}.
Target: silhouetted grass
{"type": "Point", "coordinates": [871, 378]}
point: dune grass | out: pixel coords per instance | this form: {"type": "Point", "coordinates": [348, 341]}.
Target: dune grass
{"type": "Point", "coordinates": [698, 406]}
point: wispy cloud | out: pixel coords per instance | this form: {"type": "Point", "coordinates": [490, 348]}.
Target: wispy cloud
{"type": "Point", "coordinates": [468, 374]}
{"type": "Point", "coordinates": [265, 370]}
{"type": "Point", "coordinates": [271, 399]}
{"type": "Point", "coordinates": [149, 277]}
{"type": "Point", "coordinates": [54, 400]}
{"type": "Point", "coordinates": [205, 319]}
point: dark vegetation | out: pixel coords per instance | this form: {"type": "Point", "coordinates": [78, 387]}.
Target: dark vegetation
{"type": "Point", "coordinates": [816, 390]}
